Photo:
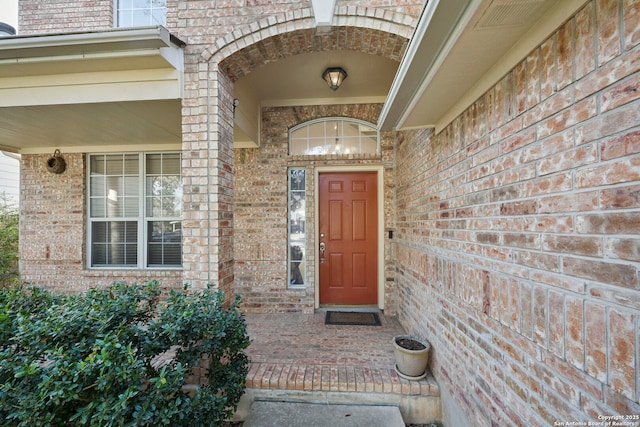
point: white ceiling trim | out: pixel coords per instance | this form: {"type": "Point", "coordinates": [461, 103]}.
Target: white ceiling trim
{"type": "Point", "coordinates": [324, 101]}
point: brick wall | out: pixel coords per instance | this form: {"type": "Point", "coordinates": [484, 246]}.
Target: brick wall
{"type": "Point", "coordinates": [260, 208]}
{"type": "Point", "coordinates": [53, 229]}
{"type": "Point", "coordinates": [518, 232]}
{"type": "Point", "coordinates": [54, 16]}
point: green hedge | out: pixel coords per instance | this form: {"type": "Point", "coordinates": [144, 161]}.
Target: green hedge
{"type": "Point", "coordinates": [8, 243]}
{"type": "Point", "coordinates": [91, 359]}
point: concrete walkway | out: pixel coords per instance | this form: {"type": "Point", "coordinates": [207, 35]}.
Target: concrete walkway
{"type": "Point", "coordinates": [288, 414]}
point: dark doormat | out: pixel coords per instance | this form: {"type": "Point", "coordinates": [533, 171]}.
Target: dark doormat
{"type": "Point", "coordinates": [351, 318]}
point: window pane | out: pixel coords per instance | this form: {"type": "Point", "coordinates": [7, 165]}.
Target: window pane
{"type": "Point", "coordinates": [317, 146]}
{"type": "Point", "coordinates": [298, 179]}
{"type": "Point", "coordinates": [130, 186]}
{"type": "Point", "coordinates": [164, 243]}
{"type": "Point", "coordinates": [296, 270]}
{"type": "Point", "coordinates": [297, 226]}
{"type": "Point", "coordinates": [154, 164]}
{"type": "Point", "coordinates": [300, 133]}
{"type": "Point", "coordinates": [350, 145]}
{"type": "Point", "coordinates": [164, 185]}
{"type": "Point", "coordinates": [98, 209]}
{"type": "Point", "coordinates": [316, 130]}
{"type": "Point", "coordinates": [158, 16]}
{"type": "Point", "coordinates": [369, 145]}
{"type": "Point", "coordinates": [97, 186]}
{"type": "Point", "coordinates": [131, 164]}
{"type": "Point", "coordinates": [351, 129]}
{"type": "Point", "coordinates": [141, 12]}
{"type": "Point", "coordinates": [334, 136]}
{"type": "Point", "coordinates": [298, 147]}
{"type": "Point", "coordinates": [97, 165]}
{"type": "Point", "coordinates": [171, 164]}
{"type": "Point", "coordinates": [114, 243]}
{"type": "Point", "coordinates": [113, 165]}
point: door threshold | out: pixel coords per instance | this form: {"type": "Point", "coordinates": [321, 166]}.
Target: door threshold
{"type": "Point", "coordinates": [349, 308]}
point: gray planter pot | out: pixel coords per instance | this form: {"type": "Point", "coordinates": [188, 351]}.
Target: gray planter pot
{"type": "Point", "coordinates": [412, 355]}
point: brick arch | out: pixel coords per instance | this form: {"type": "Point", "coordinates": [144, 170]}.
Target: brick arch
{"type": "Point", "coordinates": [294, 116]}
{"type": "Point", "coordinates": [367, 30]}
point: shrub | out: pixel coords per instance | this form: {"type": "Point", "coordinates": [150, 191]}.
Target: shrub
{"type": "Point", "coordinates": [92, 359]}
{"type": "Point", "coordinates": [8, 243]}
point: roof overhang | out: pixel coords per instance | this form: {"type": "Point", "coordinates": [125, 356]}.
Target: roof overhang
{"type": "Point", "coordinates": [90, 90]}
{"type": "Point", "coordinates": [460, 49]}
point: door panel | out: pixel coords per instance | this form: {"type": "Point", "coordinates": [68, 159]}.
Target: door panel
{"type": "Point", "coordinates": [348, 227]}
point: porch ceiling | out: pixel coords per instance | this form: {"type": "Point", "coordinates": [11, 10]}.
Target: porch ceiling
{"type": "Point", "coordinates": [89, 90]}
{"type": "Point", "coordinates": [460, 49]}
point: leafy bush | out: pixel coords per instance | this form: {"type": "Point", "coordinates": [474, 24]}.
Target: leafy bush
{"type": "Point", "coordinates": [8, 243]}
{"type": "Point", "coordinates": [93, 359]}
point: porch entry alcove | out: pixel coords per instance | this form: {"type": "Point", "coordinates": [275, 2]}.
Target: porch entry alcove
{"type": "Point", "coordinates": [347, 215]}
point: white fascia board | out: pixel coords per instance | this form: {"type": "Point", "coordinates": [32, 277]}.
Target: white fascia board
{"type": "Point", "coordinates": [86, 42]}
{"type": "Point", "coordinates": [114, 86]}
{"type": "Point", "coordinates": [122, 148]}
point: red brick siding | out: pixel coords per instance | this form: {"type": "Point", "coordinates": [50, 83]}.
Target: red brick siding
{"type": "Point", "coordinates": [53, 230]}
{"type": "Point", "coordinates": [55, 16]}
{"type": "Point", "coordinates": [519, 229]}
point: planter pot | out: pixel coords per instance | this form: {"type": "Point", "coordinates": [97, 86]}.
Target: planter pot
{"type": "Point", "coordinates": [412, 355]}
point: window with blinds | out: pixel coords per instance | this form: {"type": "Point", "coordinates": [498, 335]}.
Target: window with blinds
{"type": "Point", "coordinates": [135, 210]}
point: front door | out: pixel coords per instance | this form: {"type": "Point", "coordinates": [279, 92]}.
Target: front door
{"type": "Point", "coordinates": [348, 238]}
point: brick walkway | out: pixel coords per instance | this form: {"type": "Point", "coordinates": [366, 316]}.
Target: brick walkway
{"type": "Point", "coordinates": [299, 352]}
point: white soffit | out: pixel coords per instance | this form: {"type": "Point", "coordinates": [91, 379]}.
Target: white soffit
{"type": "Point", "coordinates": [489, 39]}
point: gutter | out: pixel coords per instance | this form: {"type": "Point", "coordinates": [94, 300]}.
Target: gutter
{"type": "Point", "coordinates": [112, 39]}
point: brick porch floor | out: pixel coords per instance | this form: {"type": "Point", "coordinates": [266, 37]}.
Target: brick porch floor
{"type": "Point", "coordinates": [299, 352]}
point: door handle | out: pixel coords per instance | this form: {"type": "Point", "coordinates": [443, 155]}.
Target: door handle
{"type": "Point", "coordinates": [322, 248]}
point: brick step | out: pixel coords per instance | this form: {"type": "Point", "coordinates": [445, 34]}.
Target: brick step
{"type": "Point", "coordinates": [418, 401]}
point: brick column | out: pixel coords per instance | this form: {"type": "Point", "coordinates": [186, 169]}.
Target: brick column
{"type": "Point", "coordinates": [208, 178]}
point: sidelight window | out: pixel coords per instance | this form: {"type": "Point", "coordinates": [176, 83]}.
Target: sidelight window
{"type": "Point", "coordinates": [297, 227]}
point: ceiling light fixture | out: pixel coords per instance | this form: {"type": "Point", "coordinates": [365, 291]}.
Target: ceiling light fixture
{"type": "Point", "coordinates": [334, 76]}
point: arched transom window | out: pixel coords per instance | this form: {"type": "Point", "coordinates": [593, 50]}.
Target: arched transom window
{"type": "Point", "coordinates": [335, 135]}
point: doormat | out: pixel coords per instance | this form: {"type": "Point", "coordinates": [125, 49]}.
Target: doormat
{"type": "Point", "coordinates": [354, 318]}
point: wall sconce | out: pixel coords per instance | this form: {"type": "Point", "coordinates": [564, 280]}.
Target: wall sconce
{"type": "Point", "coordinates": [334, 77]}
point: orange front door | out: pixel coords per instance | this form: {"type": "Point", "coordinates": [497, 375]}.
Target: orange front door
{"type": "Point", "coordinates": [348, 238]}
